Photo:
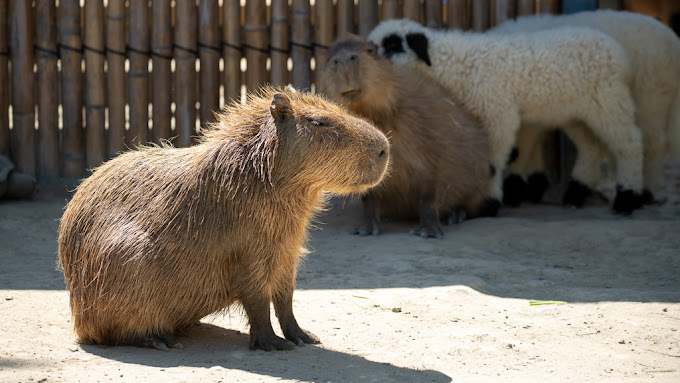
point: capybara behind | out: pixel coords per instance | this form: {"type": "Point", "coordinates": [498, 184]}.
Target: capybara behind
{"type": "Point", "coordinates": [440, 156]}
{"type": "Point", "coordinates": [158, 238]}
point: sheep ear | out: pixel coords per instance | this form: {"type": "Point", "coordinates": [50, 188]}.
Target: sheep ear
{"type": "Point", "coordinates": [280, 108]}
{"type": "Point", "coordinates": [418, 44]}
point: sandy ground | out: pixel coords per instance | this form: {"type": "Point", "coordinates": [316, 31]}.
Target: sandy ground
{"type": "Point", "coordinates": [395, 308]}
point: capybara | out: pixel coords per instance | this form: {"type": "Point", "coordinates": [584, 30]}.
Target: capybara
{"type": "Point", "coordinates": [157, 238]}
{"type": "Point", "coordinates": [440, 154]}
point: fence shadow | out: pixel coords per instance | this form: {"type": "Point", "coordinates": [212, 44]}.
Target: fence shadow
{"type": "Point", "coordinates": [207, 346]}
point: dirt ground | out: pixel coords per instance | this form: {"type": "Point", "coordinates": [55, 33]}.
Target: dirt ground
{"type": "Point", "coordinates": [395, 308]}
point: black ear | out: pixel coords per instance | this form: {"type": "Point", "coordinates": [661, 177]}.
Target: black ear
{"type": "Point", "coordinates": [418, 44]}
{"type": "Point", "coordinates": [280, 108]}
{"type": "Point", "coordinates": [392, 44]}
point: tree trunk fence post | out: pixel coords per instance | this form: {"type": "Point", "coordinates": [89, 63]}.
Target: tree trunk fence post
{"type": "Point", "coordinates": [209, 57]}
{"type": "Point", "coordinates": [161, 80]}
{"type": "Point", "coordinates": [324, 33]}
{"type": "Point", "coordinates": [4, 78]}
{"type": "Point", "coordinates": [138, 76]}
{"type": "Point", "coordinates": [301, 45]}
{"type": "Point", "coordinates": [185, 72]}
{"type": "Point", "coordinates": [280, 45]}
{"type": "Point", "coordinates": [115, 76]}
{"type": "Point", "coordinates": [95, 99]}
{"type": "Point", "coordinates": [232, 50]}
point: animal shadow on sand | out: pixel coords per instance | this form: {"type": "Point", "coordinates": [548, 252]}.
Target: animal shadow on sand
{"type": "Point", "coordinates": [208, 346]}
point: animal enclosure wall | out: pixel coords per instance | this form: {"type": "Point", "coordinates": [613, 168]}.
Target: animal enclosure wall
{"type": "Point", "coordinates": [83, 80]}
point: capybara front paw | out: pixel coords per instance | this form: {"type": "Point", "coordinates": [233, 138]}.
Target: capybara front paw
{"type": "Point", "coordinates": [300, 337]}
{"type": "Point", "coordinates": [626, 200]}
{"type": "Point", "coordinates": [433, 231]}
{"type": "Point", "coordinates": [514, 190]}
{"type": "Point", "coordinates": [270, 343]}
{"type": "Point", "coordinates": [456, 216]}
{"type": "Point", "coordinates": [160, 342]}
{"type": "Point", "coordinates": [364, 230]}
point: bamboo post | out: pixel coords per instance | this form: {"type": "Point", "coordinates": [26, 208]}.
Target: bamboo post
{"type": "Point", "coordinates": [323, 34]}
{"type": "Point", "coordinates": [115, 76]}
{"type": "Point", "coordinates": [279, 42]}
{"type": "Point", "coordinates": [480, 15]}
{"type": "Point", "coordinates": [209, 54]}
{"type": "Point", "coordinates": [23, 112]}
{"type": "Point", "coordinates": [161, 56]}
{"type": "Point", "coordinates": [70, 51]}
{"type": "Point", "coordinates": [457, 14]}
{"type": "Point", "coordinates": [255, 45]}
{"type": "Point", "coordinates": [232, 50]}
{"type": "Point", "coordinates": [46, 57]}
{"type": "Point", "coordinates": [526, 7]}
{"type": "Point", "coordinates": [503, 10]}
{"type": "Point", "coordinates": [368, 16]}
{"type": "Point", "coordinates": [345, 12]}
{"type": "Point", "coordinates": [138, 51]}
{"type": "Point", "coordinates": [95, 98]}
{"type": "Point", "coordinates": [391, 9]}
{"type": "Point", "coordinates": [412, 10]}
{"type": "Point", "coordinates": [4, 78]}
{"type": "Point", "coordinates": [185, 72]}
{"type": "Point", "coordinates": [549, 6]}
{"type": "Point", "coordinates": [433, 13]}
{"type": "Point", "coordinates": [301, 45]}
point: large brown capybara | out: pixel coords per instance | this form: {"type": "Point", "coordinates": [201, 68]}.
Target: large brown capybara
{"type": "Point", "coordinates": [440, 156]}
{"type": "Point", "coordinates": [158, 238]}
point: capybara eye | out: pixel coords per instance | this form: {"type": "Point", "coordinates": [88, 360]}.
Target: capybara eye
{"type": "Point", "coordinates": [317, 122]}
{"type": "Point", "coordinates": [354, 58]}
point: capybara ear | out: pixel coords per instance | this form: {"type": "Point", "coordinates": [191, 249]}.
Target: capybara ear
{"type": "Point", "coordinates": [280, 108]}
{"type": "Point", "coordinates": [418, 44]}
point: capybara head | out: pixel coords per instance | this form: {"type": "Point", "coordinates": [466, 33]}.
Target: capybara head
{"type": "Point", "coordinates": [357, 76]}
{"type": "Point", "coordinates": [310, 141]}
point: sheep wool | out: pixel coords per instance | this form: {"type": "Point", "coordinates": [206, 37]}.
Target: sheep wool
{"type": "Point", "coordinates": [545, 79]}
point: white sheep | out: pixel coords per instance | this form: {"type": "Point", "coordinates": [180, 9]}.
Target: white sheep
{"type": "Point", "coordinates": [547, 79]}
{"type": "Point", "coordinates": [654, 53]}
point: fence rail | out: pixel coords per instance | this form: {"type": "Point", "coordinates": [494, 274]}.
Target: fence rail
{"type": "Point", "coordinates": [85, 82]}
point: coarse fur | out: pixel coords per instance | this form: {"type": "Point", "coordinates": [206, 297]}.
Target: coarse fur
{"type": "Point", "coordinates": [552, 78]}
{"type": "Point", "coordinates": [157, 238]}
{"type": "Point", "coordinates": [439, 152]}
{"type": "Point", "coordinates": [654, 53]}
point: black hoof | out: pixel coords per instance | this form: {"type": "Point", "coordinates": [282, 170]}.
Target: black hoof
{"type": "Point", "coordinates": [647, 197]}
{"type": "Point", "coordinates": [514, 190]}
{"type": "Point", "coordinates": [489, 207]}
{"type": "Point", "coordinates": [626, 201]}
{"type": "Point", "coordinates": [537, 186]}
{"type": "Point", "coordinates": [576, 194]}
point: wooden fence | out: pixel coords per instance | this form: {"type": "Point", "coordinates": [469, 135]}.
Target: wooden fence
{"type": "Point", "coordinates": [85, 82]}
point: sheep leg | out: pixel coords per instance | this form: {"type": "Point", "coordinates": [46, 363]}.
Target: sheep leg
{"type": "Point", "coordinates": [515, 187]}
{"type": "Point", "coordinates": [261, 332]}
{"type": "Point", "coordinates": [430, 225]}
{"type": "Point", "coordinates": [370, 223]}
{"type": "Point", "coordinates": [537, 177]}
{"type": "Point", "coordinates": [655, 148]}
{"type": "Point", "coordinates": [283, 306]}
{"type": "Point", "coordinates": [586, 172]}
{"type": "Point", "coordinates": [502, 136]}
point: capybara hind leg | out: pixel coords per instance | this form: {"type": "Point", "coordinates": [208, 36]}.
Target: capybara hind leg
{"type": "Point", "coordinates": [430, 225]}
{"type": "Point", "coordinates": [261, 333]}
{"type": "Point", "coordinates": [370, 224]}
{"type": "Point", "coordinates": [283, 305]}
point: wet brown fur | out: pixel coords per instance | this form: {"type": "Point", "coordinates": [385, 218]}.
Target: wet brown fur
{"type": "Point", "coordinates": [158, 238]}
{"type": "Point", "coordinates": [439, 152]}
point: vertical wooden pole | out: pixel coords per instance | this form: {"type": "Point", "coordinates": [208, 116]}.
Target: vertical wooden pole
{"type": "Point", "coordinates": [280, 44]}
{"type": "Point", "coordinates": [4, 78]}
{"type": "Point", "coordinates": [503, 10]}
{"type": "Point", "coordinates": [161, 56]}
{"type": "Point", "coordinates": [115, 77]}
{"type": "Point", "coordinates": [71, 88]}
{"type": "Point", "coordinates": [209, 53]}
{"type": "Point", "coordinates": [412, 10]}
{"type": "Point", "coordinates": [232, 51]}
{"type": "Point", "coordinates": [185, 72]}
{"type": "Point", "coordinates": [457, 14]}
{"type": "Point", "coordinates": [301, 77]}
{"type": "Point", "coordinates": [138, 52]}
{"type": "Point", "coordinates": [23, 112]}
{"type": "Point", "coordinates": [345, 12]}
{"type": "Point", "coordinates": [323, 34]}
{"type": "Point", "coordinates": [256, 43]}
{"type": "Point", "coordinates": [48, 118]}
{"type": "Point", "coordinates": [433, 13]}
{"type": "Point", "coordinates": [526, 7]}
{"type": "Point", "coordinates": [391, 9]}
{"type": "Point", "coordinates": [480, 15]}
{"type": "Point", "coordinates": [549, 6]}
{"type": "Point", "coordinates": [368, 16]}
{"type": "Point", "coordinates": [95, 99]}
